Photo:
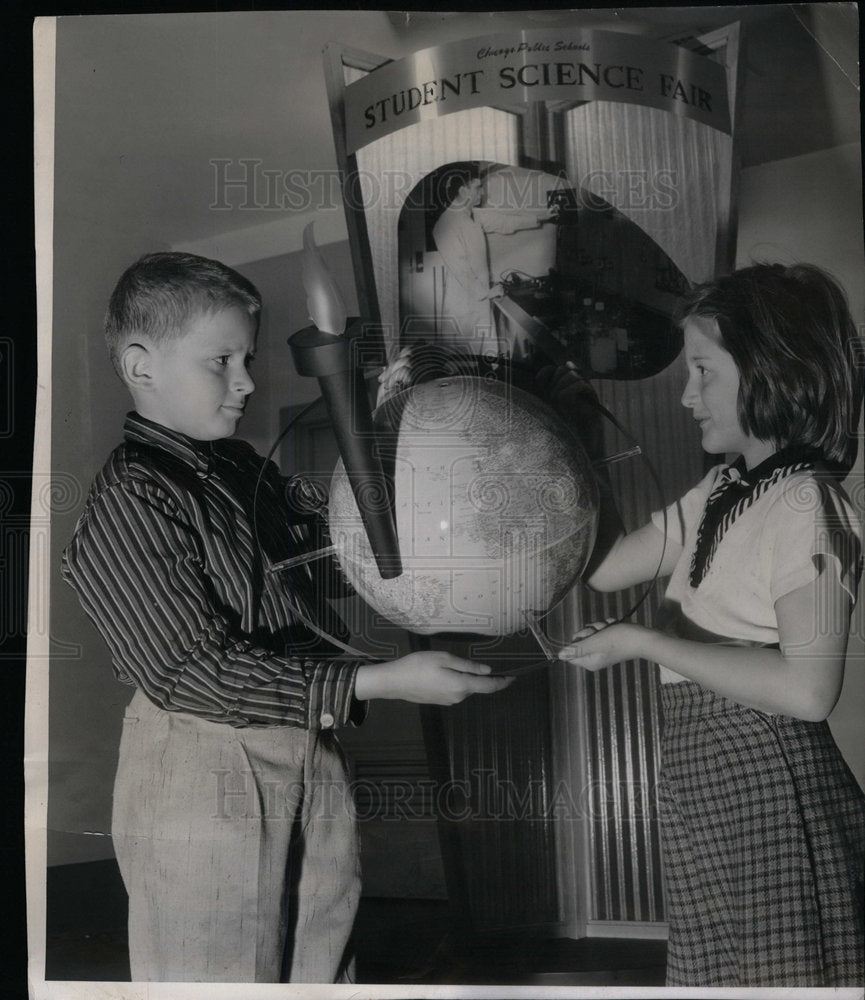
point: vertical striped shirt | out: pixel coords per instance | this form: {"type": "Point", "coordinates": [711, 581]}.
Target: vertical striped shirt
{"type": "Point", "coordinates": [171, 565]}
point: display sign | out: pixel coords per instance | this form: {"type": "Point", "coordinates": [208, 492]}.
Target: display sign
{"type": "Point", "coordinates": [544, 65]}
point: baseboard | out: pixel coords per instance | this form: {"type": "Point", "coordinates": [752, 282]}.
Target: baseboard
{"type": "Point", "coordinates": [639, 930]}
{"type": "Point", "coordinates": [70, 848]}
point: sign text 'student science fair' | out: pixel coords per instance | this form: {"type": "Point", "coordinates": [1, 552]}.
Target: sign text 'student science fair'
{"type": "Point", "coordinates": [535, 66]}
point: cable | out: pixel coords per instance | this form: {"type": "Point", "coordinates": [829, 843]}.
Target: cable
{"type": "Point", "coordinates": [304, 619]}
{"type": "Point", "coordinates": [656, 481]}
{"type": "Point", "coordinates": [279, 437]}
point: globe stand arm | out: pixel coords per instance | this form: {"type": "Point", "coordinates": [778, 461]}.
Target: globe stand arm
{"type": "Point", "coordinates": [302, 559]}
{"type": "Point", "coordinates": [620, 456]}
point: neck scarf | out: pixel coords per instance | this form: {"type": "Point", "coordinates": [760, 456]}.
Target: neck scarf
{"type": "Point", "coordinates": [736, 490]}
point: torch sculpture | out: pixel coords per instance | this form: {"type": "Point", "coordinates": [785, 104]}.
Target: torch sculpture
{"type": "Point", "coordinates": [328, 351]}
{"type": "Point", "coordinates": [463, 504]}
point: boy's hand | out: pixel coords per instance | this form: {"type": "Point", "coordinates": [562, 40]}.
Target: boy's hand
{"type": "Point", "coordinates": [429, 678]}
{"type": "Point", "coordinates": [601, 644]}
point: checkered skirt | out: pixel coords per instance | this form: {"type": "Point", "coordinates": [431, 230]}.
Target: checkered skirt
{"type": "Point", "coordinates": [763, 831]}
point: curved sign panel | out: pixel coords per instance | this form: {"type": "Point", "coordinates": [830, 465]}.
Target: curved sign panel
{"type": "Point", "coordinates": [545, 65]}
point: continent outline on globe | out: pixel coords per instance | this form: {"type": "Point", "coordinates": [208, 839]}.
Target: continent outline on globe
{"type": "Point", "coordinates": [495, 502]}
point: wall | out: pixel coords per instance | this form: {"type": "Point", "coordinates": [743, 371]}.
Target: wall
{"type": "Point", "coordinates": [279, 279]}
{"type": "Point", "coordinates": [97, 233]}
{"type": "Point", "coordinates": [809, 208]}
{"type": "Point", "coordinates": [86, 703]}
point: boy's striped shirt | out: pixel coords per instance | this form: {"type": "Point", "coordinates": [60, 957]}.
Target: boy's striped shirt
{"type": "Point", "coordinates": [167, 565]}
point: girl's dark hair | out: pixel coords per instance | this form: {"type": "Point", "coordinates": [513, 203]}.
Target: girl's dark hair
{"type": "Point", "coordinates": [790, 332]}
{"type": "Point", "coordinates": [160, 293]}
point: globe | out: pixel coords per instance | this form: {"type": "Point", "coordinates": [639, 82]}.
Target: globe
{"type": "Point", "coordinates": [495, 503]}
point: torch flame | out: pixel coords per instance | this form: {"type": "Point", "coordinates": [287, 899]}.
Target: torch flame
{"type": "Point", "coordinates": [323, 299]}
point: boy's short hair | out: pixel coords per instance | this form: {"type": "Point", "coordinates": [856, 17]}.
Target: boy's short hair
{"type": "Point", "coordinates": [793, 340]}
{"type": "Point", "coordinates": [159, 294]}
{"type": "Point", "coordinates": [454, 177]}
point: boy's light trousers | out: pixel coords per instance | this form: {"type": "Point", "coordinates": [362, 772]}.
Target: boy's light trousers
{"type": "Point", "coordinates": [238, 848]}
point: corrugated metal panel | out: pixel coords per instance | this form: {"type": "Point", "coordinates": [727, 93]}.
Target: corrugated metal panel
{"type": "Point", "coordinates": [500, 763]}
{"type": "Point", "coordinates": [603, 142]}
{"type": "Point", "coordinates": [659, 170]}
{"type": "Point", "coordinates": [621, 710]}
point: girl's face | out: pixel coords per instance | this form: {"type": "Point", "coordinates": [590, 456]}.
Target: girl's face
{"type": "Point", "coordinates": [712, 392]}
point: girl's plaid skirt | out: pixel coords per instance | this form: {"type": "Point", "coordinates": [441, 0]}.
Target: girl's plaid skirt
{"type": "Point", "coordinates": [764, 836]}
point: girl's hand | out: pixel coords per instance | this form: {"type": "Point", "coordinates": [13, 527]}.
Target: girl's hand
{"type": "Point", "coordinates": [602, 644]}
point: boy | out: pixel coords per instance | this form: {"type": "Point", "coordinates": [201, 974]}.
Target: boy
{"type": "Point", "coordinates": [232, 821]}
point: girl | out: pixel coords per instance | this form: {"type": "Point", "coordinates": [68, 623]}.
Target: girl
{"type": "Point", "coordinates": [763, 823]}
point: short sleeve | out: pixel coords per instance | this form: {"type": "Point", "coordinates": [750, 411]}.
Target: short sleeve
{"type": "Point", "coordinates": [814, 530]}
{"type": "Point", "coordinates": [683, 515]}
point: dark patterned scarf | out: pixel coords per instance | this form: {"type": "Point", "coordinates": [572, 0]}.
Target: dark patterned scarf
{"type": "Point", "coordinates": [736, 490]}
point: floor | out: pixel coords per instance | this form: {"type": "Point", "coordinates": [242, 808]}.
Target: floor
{"type": "Point", "coordinates": [397, 941]}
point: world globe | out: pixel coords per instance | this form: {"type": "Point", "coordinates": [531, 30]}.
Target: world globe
{"type": "Point", "coordinates": [495, 504]}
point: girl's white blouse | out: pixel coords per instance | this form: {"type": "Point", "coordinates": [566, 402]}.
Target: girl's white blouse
{"type": "Point", "coordinates": [799, 528]}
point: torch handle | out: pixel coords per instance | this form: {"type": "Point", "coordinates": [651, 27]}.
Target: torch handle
{"type": "Point", "coordinates": [331, 360]}
{"type": "Point", "coordinates": [345, 395]}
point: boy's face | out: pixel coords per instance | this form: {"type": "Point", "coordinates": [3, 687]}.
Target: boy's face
{"type": "Point", "coordinates": [473, 192]}
{"type": "Point", "coordinates": [200, 381]}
